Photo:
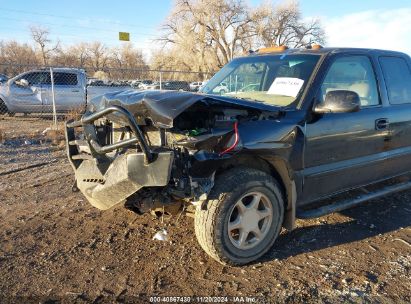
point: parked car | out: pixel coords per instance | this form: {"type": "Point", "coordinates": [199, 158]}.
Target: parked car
{"type": "Point", "coordinates": [202, 86]}
{"type": "Point", "coordinates": [326, 129]}
{"type": "Point", "coordinates": [170, 85]}
{"type": "Point", "coordinates": [144, 84]}
{"type": "Point", "coordinates": [30, 92]}
{"type": "Point", "coordinates": [135, 84]}
{"type": "Point", "coordinates": [153, 86]}
{"type": "Point", "coordinates": [195, 86]}
{"type": "Point", "coordinates": [96, 82]}
{"type": "Point", "coordinates": [221, 89]}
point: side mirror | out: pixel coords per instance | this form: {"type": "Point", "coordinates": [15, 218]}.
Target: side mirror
{"type": "Point", "coordinates": [23, 82]}
{"type": "Point", "coordinates": [339, 101]}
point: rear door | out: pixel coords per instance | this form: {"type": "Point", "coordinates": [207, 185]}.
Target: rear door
{"type": "Point", "coordinates": [346, 150]}
{"type": "Point", "coordinates": [68, 91]}
{"type": "Point", "coordinates": [397, 76]}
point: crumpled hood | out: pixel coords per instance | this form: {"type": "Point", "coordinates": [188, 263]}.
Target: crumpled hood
{"type": "Point", "coordinates": [162, 107]}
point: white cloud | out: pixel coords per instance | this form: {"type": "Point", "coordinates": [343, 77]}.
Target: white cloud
{"type": "Point", "coordinates": [382, 29]}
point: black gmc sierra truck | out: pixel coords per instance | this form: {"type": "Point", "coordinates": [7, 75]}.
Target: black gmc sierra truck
{"type": "Point", "coordinates": [296, 133]}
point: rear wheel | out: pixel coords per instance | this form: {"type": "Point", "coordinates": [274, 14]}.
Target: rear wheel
{"type": "Point", "coordinates": [243, 216]}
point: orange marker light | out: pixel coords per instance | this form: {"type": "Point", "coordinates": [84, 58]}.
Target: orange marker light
{"type": "Point", "coordinates": [273, 49]}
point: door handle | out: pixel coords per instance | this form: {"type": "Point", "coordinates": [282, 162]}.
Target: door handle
{"type": "Point", "coordinates": [382, 124]}
{"type": "Point", "coordinates": [75, 91]}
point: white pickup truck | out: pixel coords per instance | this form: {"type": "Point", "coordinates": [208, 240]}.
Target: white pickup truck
{"type": "Point", "coordinates": [31, 92]}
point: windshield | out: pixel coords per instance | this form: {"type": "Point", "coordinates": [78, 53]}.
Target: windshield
{"type": "Point", "coordinates": [272, 79]}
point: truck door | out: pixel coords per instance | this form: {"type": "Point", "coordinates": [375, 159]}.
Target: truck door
{"type": "Point", "coordinates": [68, 92]}
{"type": "Point", "coordinates": [346, 150]}
{"type": "Point", "coordinates": [397, 77]}
{"type": "Point", "coordinates": [28, 98]}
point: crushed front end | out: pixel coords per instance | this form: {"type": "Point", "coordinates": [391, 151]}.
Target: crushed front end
{"type": "Point", "coordinates": [108, 169]}
{"type": "Point", "coordinates": [148, 156]}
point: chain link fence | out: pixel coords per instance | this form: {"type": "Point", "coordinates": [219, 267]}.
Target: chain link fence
{"type": "Point", "coordinates": [52, 91]}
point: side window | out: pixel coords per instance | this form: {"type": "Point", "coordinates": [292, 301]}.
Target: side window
{"type": "Point", "coordinates": [397, 76]}
{"type": "Point", "coordinates": [65, 78]}
{"type": "Point", "coordinates": [352, 73]}
{"type": "Point", "coordinates": [36, 78]}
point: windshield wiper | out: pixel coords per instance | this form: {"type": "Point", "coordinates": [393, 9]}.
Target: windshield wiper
{"type": "Point", "coordinates": [249, 99]}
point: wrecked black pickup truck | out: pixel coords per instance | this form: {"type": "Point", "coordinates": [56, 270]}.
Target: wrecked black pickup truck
{"type": "Point", "coordinates": [296, 133]}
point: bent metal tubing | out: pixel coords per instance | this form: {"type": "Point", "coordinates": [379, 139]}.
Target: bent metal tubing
{"type": "Point", "coordinates": [132, 124]}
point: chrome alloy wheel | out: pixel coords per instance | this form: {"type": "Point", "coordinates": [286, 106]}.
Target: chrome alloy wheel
{"type": "Point", "coordinates": [249, 220]}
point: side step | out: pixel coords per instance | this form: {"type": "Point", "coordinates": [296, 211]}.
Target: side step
{"type": "Point", "coordinates": [345, 204]}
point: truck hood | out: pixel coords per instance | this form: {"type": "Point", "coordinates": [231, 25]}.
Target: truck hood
{"type": "Point", "coordinates": [162, 107]}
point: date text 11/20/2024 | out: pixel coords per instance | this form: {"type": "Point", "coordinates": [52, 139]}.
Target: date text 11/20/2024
{"type": "Point", "coordinates": [203, 299]}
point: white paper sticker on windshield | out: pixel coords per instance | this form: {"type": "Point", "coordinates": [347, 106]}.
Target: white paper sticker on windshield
{"type": "Point", "coordinates": [286, 86]}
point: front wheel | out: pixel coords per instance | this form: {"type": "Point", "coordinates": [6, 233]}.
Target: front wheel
{"type": "Point", "coordinates": [242, 218]}
{"type": "Point", "coordinates": [4, 109]}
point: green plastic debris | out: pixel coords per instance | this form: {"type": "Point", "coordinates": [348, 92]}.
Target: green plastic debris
{"type": "Point", "coordinates": [196, 132]}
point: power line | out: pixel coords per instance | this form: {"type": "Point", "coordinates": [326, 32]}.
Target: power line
{"type": "Point", "coordinates": [76, 37]}
{"type": "Point", "coordinates": [80, 27]}
{"type": "Point", "coordinates": [66, 17]}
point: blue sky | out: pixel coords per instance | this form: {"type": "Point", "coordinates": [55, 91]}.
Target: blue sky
{"type": "Point", "coordinates": [374, 23]}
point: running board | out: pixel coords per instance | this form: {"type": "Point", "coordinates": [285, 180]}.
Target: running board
{"type": "Point", "coordinates": [345, 204]}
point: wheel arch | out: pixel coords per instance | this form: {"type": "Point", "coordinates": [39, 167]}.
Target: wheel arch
{"type": "Point", "coordinates": [277, 168]}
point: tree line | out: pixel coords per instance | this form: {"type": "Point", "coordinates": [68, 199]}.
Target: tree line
{"type": "Point", "coordinates": [95, 56]}
{"type": "Point", "coordinates": [198, 35]}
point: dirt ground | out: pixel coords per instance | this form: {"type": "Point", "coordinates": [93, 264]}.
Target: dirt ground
{"type": "Point", "coordinates": [55, 247]}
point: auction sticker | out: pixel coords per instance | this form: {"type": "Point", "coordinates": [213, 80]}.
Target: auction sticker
{"type": "Point", "coordinates": [286, 86]}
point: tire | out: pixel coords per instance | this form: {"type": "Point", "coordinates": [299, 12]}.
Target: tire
{"type": "Point", "coordinates": [214, 223]}
{"type": "Point", "coordinates": [222, 92]}
{"type": "Point", "coordinates": [4, 109]}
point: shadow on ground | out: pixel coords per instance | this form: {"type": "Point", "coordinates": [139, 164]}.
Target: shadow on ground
{"type": "Point", "coordinates": [379, 216]}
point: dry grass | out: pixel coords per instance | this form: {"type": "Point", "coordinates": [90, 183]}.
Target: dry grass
{"type": "Point", "coordinates": [56, 137]}
{"type": "Point", "coordinates": [75, 113]}
{"type": "Point", "coordinates": [2, 136]}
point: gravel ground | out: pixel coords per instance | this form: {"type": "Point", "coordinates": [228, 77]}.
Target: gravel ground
{"type": "Point", "coordinates": [55, 247]}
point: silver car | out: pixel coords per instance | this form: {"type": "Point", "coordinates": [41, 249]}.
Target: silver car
{"type": "Point", "coordinates": [31, 92]}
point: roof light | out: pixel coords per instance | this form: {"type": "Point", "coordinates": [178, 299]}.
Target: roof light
{"type": "Point", "coordinates": [316, 46]}
{"type": "Point", "coordinates": [273, 49]}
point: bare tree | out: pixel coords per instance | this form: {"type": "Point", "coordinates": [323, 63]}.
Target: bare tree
{"type": "Point", "coordinates": [127, 62]}
{"type": "Point", "coordinates": [75, 55]}
{"type": "Point", "coordinates": [206, 34]}
{"type": "Point", "coordinates": [99, 55]}
{"type": "Point", "coordinates": [219, 28]}
{"type": "Point", "coordinates": [282, 24]}
{"type": "Point", "coordinates": [81, 53]}
{"type": "Point", "coordinates": [15, 57]}
{"type": "Point", "coordinates": [40, 36]}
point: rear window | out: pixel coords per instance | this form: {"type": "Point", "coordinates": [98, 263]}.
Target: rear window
{"type": "Point", "coordinates": [397, 77]}
{"type": "Point", "coordinates": [65, 78]}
